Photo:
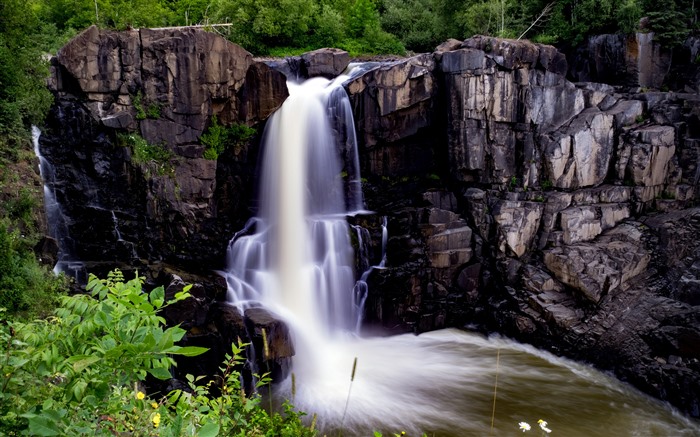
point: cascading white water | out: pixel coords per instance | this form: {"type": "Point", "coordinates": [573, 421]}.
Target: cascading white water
{"type": "Point", "coordinates": [55, 219]}
{"type": "Point", "coordinates": [295, 258]}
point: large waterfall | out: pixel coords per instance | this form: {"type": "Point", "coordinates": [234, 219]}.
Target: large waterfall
{"type": "Point", "coordinates": [295, 258]}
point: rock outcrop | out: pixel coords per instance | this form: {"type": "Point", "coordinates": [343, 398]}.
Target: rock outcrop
{"type": "Point", "coordinates": [124, 136]}
{"type": "Point", "coordinates": [554, 182]}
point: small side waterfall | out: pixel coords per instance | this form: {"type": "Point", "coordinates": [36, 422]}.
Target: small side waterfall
{"type": "Point", "coordinates": [361, 288]}
{"type": "Point", "coordinates": [56, 221]}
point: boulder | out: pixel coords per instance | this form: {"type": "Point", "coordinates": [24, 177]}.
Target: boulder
{"type": "Point", "coordinates": [517, 224]}
{"type": "Point", "coordinates": [327, 62]}
{"type": "Point", "coordinates": [601, 267]}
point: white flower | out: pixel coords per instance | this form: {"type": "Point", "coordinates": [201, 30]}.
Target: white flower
{"type": "Point", "coordinates": [543, 425]}
{"type": "Point", "coordinates": [524, 426]}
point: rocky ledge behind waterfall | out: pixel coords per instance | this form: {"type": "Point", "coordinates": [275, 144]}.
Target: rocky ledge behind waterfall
{"type": "Point", "coordinates": [560, 213]}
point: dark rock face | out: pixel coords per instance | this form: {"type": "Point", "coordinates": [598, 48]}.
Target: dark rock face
{"type": "Point", "coordinates": [542, 229]}
{"type": "Point", "coordinates": [561, 214]}
{"type": "Point", "coordinates": [633, 61]}
{"type": "Point", "coordinates": [164, 86]}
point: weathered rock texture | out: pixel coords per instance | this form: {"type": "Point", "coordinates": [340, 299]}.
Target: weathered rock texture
{"type": "Point", "coordinates": [162, 86]}
{"type": "Point", "coordinates": [538, 225]}
{"type": "Point", "coordinates": [555, 212]}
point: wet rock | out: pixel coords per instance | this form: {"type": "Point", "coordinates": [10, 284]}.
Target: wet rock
{"type": "Point", "coordinates": [633, 60]}
{"type": "Point", "coordinates": [394, 105]}
{"type": "Point", "coordinates": [325, 62]}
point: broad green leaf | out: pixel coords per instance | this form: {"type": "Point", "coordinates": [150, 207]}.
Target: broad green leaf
{"type": "Point", "coordinates": [210, 429]}
{"type": "Point", "coordinates": [81, 362]}
{"type": "Point", "coordinates": [177, 333]}
{"type": "Point", "coordinates": [160, 373]}
{"type": "Point", "coordinates": [43, 426]}
{"type": "Point", "coordinates": [157, 296]}
{"type": "Point", "coordinates": [101, 319]}
{"type": "Point", "coordinates": [79, 390]}
{"type": "Point", "coordinates": [189, 351]}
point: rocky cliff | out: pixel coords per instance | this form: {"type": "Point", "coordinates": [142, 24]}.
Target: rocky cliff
{"type": "Point", "coordinates": [124, 136]}
{"type": "Point", "coordinates": [560, 213]}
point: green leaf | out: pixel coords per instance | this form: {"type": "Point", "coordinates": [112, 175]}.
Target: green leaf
{"type": "Point", "coordinates": [189, 351]}
{"type": "Point", "coordinates": [157, 297]}
{"type": "Point", "coordinates": [81, 362]}
{"type": "Point", "coordinates": [79, 390]}
{"type": "Point", "coordinates": [160, 373]}
{"type": "Point", "coordinates": [210, 429]}
{"type": "Point", "coordinates": [43, 426]}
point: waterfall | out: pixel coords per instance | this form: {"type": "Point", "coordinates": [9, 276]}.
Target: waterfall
{"type": "Point", "coordinates": [295, 258]}
{"type": "Point", "coordinates": [300, 254]}
{"type": "Point", "coordinates": [57, 223]}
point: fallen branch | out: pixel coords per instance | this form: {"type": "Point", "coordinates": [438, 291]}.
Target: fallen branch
{"type": "Point", "coordinates": [547, 9]}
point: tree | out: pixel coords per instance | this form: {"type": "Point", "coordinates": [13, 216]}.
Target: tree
{"type": "Point", "coordinates": [259, 25]}
{"type": "Point", "coordinates": [416, 22]}
{"type": "Point", "coordinates": [24, 98]}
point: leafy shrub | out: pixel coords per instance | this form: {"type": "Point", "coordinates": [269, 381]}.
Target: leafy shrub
{"type": "Point", "coordinates": [78, 373]}
{"type": "Point", "coordinates": [218, 137]}
{"type": "Point", "coordinates": [137, 101]}
{"type": "Point", "coordinates": [145, 153]}
{"type": "Point", "coordinates": [26, 288]}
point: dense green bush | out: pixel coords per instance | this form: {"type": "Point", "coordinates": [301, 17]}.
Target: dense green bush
{"type": "Point", "coordinates": [218, 137]}
{"type": "Point", "coordinates": [154, 156]}
{"type": "Point", "coordinates": [26, 288]}
{"type": "Point", "coordinates": [79, 373]}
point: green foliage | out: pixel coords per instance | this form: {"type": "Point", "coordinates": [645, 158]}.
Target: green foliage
{"type": "Point", "coordinates": [77, 373]}
{"type": "Point", "coordinates": [117, 14]}
{"type": "Point", "coordinates": [152, 110]}
{"type": "Point", "coordinates": [362, 14]}
{"type": "Point", "coordinates": [26, 288]}
{"type": "Point", "coordinates": [23, 206]}
{"type": "Point", "coordinates": [233, 413]}
{"type": "Point", "coordinates": [60, 374]}
{"type": "Point", "coordinates": [145, 153]}
{"type": "Point", "coordinates": [331, 27]}
{"type": "Point", "coordinates": [417, 21]}
{"type": "Point", "coordinates": [218, 137]}
{"type": "Point", "coordinates": [261, 24]}
{"type": "Point", "coordinates": [24, 98]}
{"type": "Point", "coordinates": [137, 101]}
{"type": "Point", "coordinates": [669, 27]}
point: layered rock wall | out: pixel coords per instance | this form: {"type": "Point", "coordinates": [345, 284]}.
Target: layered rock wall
{"type": "Point", "coordinates": [124, 136]}
{"type": "Point", "coordinates": [546, 238]}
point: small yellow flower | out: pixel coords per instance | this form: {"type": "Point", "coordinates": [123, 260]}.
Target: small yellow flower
{"type": "Point", "coordinates": [154, 405]}
{"type": "Point", "coordinates": [156, 420]}
{"type": "Point", "coordinates": [140, 395]}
